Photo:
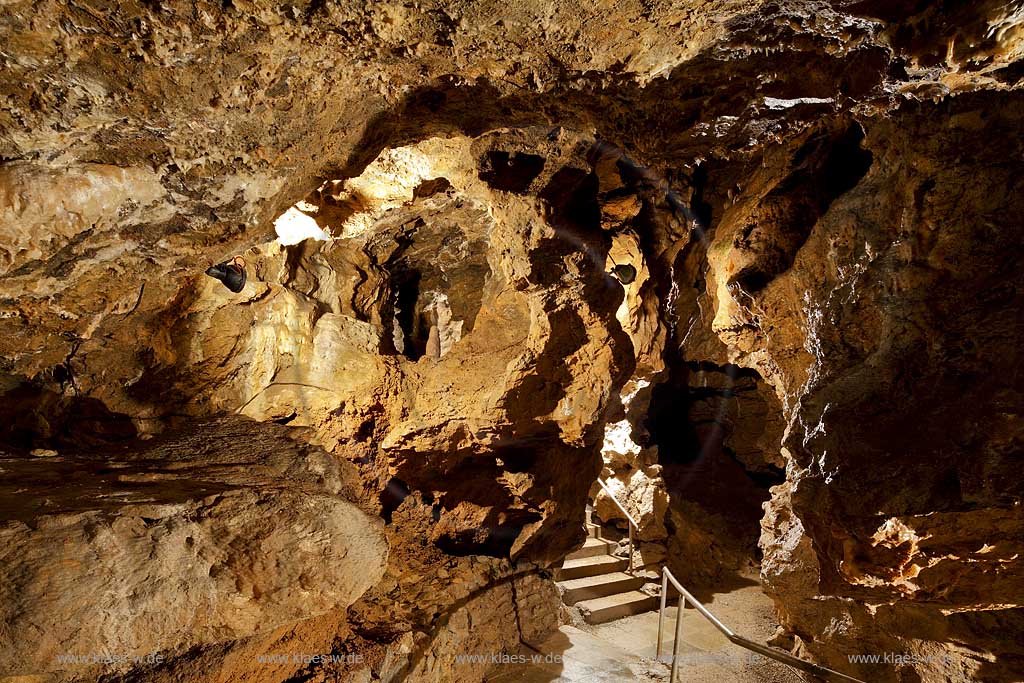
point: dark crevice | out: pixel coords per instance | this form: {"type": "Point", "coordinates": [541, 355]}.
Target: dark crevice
{"type": "Point", "coordinates": [1010, 75]}
{"type": "Point", "coordinates": [701, 208]}
{"type": "Point", "coordinates": [700, 419]}
{"type": "Point", "coordinates": [406, 285]}
{"type": "Point", "coordinates": [845, 164]}
{"type": "Point", "coordinates": [824, 168]}
{"type": "Point", "coordinates": [429, 188]}
{"type": "Point", "coordinates": [39, 417]}
{"type": "Point", "coordinates": [511, 171]}
{"type": "Point", "coordinates": [394, 493]}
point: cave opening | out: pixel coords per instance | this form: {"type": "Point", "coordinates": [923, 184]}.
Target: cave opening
{"type": "Point", "coordinates": [716, 428]}
{"type": "Point", "coordinates": [394, 494]}
{"type": "Point", "coordinates": [437, 279]}
{"type": "Point", "coordinates": [408, 338]}
{"type": "Point", "coordinates": [511, 171]}
{"type": "Point", "coordinates": [402, 246]}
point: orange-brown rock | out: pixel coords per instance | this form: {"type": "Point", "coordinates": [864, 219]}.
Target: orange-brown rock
{"type": "Point", "coordinates": [821, 200]}
{"type": "Point", "coordinates": [126, 559]}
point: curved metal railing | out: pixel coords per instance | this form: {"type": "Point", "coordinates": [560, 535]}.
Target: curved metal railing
{"type": "Point", "coordinates": [686, 597]}
{"type": "Point", "coordinates": [629, 518]}
{"type": "Point", "coordinates": [773, 653]}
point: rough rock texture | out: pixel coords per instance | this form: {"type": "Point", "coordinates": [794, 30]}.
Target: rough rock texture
{"type": "Point", "coordinates": [190, 542]}
{"type": "Point", "coordinates": [824, 193]}
{"type": "Point", "coordinates": [901, 425]}
{"type": "Point", "coordinates": [632, 473]}
{"type": "Point", "coordinates": [882, 328]}
{"type": "Point", "coordinates": [491, 426]}
{"type": "Point", "coordinates": [336, 337]}
{"type": "Point", "coordinates": [716, 466]}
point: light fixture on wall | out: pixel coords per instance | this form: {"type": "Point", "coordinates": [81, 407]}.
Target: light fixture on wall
{"type": "Point", "coordinates": [623, 272]}
{"type": "Point", "coordinates": [231, 273]}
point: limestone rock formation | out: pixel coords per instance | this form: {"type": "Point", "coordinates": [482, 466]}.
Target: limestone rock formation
{"type": "Point", "coordinates": [820, 200]}
{"type": "Point", "coordinates": [116, 561]}
{"type": "Point", "coordinates": [892, 341]}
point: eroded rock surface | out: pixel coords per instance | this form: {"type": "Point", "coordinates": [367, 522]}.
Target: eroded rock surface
{"type": "Point", "coordinates": [821, 202]}
{"type": "Point", "coordinates": [219, 534]}
{"type": "Point", "coordinates": [869, 326]}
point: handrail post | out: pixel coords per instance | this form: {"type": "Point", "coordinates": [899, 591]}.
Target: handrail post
{"type": "Point", "coordinates": [661, 612]}
{"type": "Point", "coordinates": [679, 637]}
{"type": "Point", "coordinates": [630, 547]}
{"type": "Point", "coordinates": [786, 658]}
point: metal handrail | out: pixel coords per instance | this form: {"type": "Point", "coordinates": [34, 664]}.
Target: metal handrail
{"type": "Point", "coordinates": [773, 653]}
{"type": "Point", "coordinates": [629, 518]}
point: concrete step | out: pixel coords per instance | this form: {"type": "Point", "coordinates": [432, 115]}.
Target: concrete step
{"type": "Point", "coordinates": [590, 566]}
{"type": "Point", "coordinates": [590, 587]}
{"type": "Point", "coordinates": [593, 530]}
{"type": "Point", "coordinates": [592, 547]}
{"type": "Point", "coordinates": [609, 608]}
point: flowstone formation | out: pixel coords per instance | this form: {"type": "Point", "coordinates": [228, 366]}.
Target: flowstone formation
{"type": "Point", "coordinates": [819, 199]}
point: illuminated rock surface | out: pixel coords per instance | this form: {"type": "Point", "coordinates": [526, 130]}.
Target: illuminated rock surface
{"type": "Point", "coordinates": [821, 201]}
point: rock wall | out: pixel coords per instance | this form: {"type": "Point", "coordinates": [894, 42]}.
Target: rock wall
{"type": "Point", "coordinates": [823, 193]}
{"type": "Point", "coordinates": [903, 333]}
{"type": "Point", "coordinates": [876, 327]}
{"type": "Point", "coordinates": [488, 430]}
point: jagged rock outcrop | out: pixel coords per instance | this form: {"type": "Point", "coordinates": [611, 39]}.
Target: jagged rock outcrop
{"type": "Point", "coordinates": [897, 338]}
{"type": "Point", "coordinates": [633, 476]}
{"type": "Point", "coordinates": [489, 417]}
{"type": "Point", "coordinates": [868, 324]}
{"type": "Point", "coordinates": [510, 400]}
{"type": "Point", "coordinates": [824, 193]}
{"type": "Point", "coordinates": [437, 617]}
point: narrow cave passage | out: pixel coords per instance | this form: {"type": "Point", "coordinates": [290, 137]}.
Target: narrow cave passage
{"type": "Point", "coordinates": [690, 450]}
{"type": "Point", "coordinates": [714, 427]}
{"type": "Point", "coordinates": [409, 337]}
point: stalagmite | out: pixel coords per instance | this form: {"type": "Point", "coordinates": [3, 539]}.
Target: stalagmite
{"type": "Point", "coordinates": [434, 343]}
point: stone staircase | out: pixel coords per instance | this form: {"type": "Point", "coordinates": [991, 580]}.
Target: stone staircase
{"type": "Point", "coordinates": [595, 581]}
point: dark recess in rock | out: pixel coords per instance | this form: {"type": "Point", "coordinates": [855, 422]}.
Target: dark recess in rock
{"type": "Point", "coordinates": [511, 171]}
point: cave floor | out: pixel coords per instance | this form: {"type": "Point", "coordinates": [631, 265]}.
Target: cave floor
{"type": "Point", "coordinates": [624, 650]}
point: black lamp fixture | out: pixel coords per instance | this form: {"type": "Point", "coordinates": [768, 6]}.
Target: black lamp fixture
{"type": "Point", "coordinates": [231, 273]}
{"type": "Point", "coordinates": [623, 272]}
